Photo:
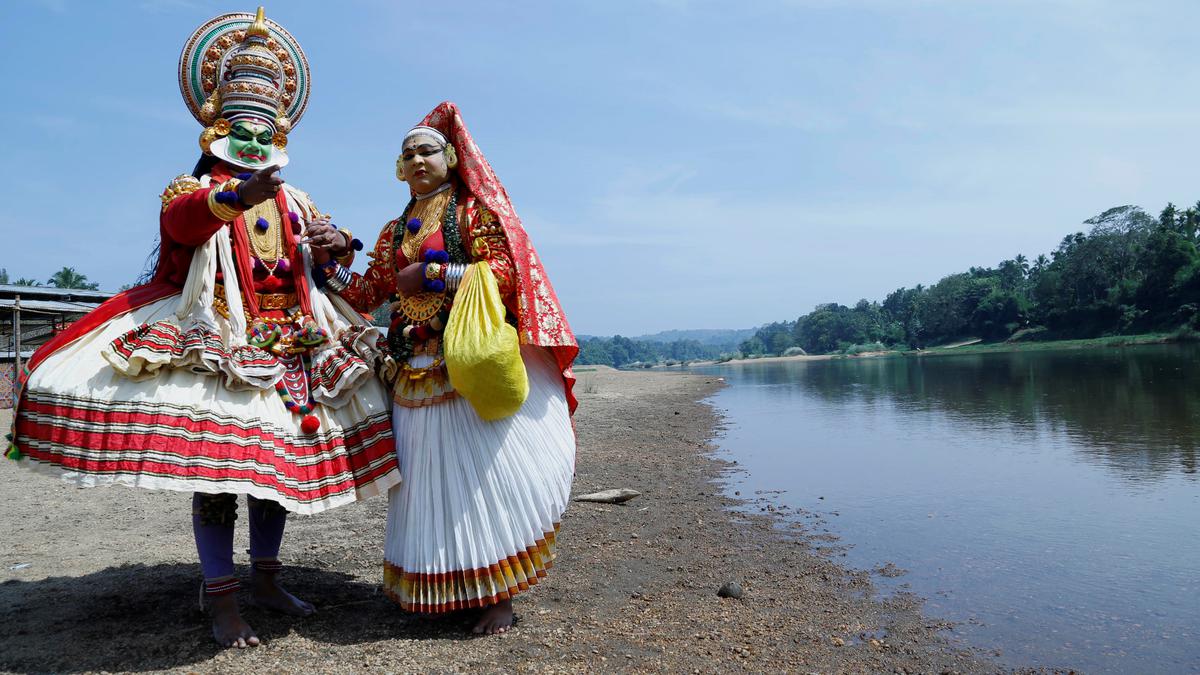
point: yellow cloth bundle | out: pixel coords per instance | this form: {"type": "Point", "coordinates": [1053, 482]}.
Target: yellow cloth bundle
{"type": "Point", "coordinates": [483, 351]}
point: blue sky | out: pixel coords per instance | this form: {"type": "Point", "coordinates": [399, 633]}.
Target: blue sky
{"type": "Point", "coordinates": [679, 164]}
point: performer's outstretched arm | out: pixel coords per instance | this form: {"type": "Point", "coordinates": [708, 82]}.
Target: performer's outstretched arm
{"type": "Point", "coordinates": [367, 291]}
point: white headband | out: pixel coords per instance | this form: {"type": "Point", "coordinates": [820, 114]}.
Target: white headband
{"type": "Point", "coordinates": [425, 131]}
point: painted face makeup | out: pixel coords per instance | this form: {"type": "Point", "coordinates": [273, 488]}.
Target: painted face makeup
{"type": "Point", "coordinates": [423, 163]}
{"type": "Point", "coordinates": [250, 142]}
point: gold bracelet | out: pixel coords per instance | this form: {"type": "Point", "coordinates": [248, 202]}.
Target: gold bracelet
{"type": "Point", "coordinates": [223, 213]}
{"type": "Point", "coordinates": [347, 259]}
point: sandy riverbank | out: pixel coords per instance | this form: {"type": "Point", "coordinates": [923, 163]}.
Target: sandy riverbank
{"type": "Point", "coordinates": [107, 578]}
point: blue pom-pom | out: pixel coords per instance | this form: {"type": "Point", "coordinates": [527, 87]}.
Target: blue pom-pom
{"type": "Point", "coordinates": [243, 176]}
{"type": "Point", "coordinates": [227, 197]}
{"type": "Point", "coordinates": [293, 216]}
{"type": "Point", "coordinates": [434, 285]}
{"type": "Point", "coordinates": [414, 225]}
{"type": "Point", "coordinates": [441, 257]}
{"type": "Point", "coordinates": [356, 244]}
{"type": "Point", "coordinates": [262, 224]}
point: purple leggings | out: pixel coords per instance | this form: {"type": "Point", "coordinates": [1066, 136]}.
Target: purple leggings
{"type": "Point", "coordinates": [212, 523]}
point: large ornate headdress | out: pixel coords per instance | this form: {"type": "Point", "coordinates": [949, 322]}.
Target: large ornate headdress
{"type": "Point", "coordinates": [241, 67]}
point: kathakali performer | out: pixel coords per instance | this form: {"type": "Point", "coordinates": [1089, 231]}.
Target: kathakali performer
{"type": "Point", "coordinates": [475, 520]}
{"type": "Point", "coordinates": [228, 373]}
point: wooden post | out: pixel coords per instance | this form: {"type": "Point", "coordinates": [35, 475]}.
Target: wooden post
{"type": "Point", "coordinates": [16, 340]}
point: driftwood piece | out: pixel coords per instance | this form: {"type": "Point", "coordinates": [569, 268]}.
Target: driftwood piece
{"type": "Point", "coordinates": [616, 496]}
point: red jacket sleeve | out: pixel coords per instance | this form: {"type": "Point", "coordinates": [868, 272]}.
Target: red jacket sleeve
{"type": "Point", "coordinates": [368, 291]}
{"type": "Point", "coordinates": [487, 243]}
{"type": "Point", "coordinates": [187, 219]}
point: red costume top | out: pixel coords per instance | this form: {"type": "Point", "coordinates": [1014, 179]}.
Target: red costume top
{"type": "Point", "coordinates": [490, 231]}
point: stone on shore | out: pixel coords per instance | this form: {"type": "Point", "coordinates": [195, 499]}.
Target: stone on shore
{"type": "Point", "coordinates": [616, 496]}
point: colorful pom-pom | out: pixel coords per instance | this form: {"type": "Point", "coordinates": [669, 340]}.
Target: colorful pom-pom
{"type": "Point", "coordinates": [243, 176]}
{"type": "Point", "coordinates": [258, 264]}
{"type": "Point", "coordinates": [262, 224]}
{"type": "Point", "coordinates": [434, 285]}
{"type": "Point", "coordinates": [296, 228]}
{"type": "Point", "coordinates": [356, 244]}
{"type": "Point", "coordinates": [414, 225]}
{"type": "Point", "coordinates": [293, 216]}
{"type": "Point", "coordinates": [310, 424]}
{"type": "Point", "coordinates": [227, 197]}
{"type": "Point", "coordinates": [437, 256]}
{"type": "Point", "coordinates": [284, 265]}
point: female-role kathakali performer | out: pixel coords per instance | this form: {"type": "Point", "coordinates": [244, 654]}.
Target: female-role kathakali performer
{"type": "Point", "coordinates": [474, 521]}
{"type": "Point", "coordinates": [229, 372]}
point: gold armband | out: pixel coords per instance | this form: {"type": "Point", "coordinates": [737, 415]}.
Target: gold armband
{"type": "Point", "coordinates": [224, 212]}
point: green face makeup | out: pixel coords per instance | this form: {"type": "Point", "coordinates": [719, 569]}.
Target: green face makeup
{"type": "Point", "coordinates": [249, 142]}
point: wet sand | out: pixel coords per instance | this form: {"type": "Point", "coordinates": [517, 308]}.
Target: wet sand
{"type": "Point", "coordinates": [106, 579]}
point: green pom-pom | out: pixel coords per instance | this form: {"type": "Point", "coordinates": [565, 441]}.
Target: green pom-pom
{"type": "Point", "coordinates": [14, 453]}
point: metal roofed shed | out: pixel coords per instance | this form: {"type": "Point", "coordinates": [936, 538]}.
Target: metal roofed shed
{"type": "Point", "coordinates": [29, 317]}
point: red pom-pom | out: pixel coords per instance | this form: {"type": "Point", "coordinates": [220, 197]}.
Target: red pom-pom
{"type": "Point", "coordinates": [310, 424]}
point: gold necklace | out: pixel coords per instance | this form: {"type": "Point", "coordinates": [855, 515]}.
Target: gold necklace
{"type": "Point", "coordinates": [267, 244]}
{"type": "Point", "coordinates": [430, 211]}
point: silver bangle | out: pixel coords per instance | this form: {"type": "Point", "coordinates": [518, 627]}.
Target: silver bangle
{"type": "Point", "coordinates": [454, 275]}
{"type": "Point", "coordinates": [339, 280]}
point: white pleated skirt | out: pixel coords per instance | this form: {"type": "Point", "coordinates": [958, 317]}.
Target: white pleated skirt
{"type": "Point", "coordinates": [475, 519]}
{"type": "Point", "coordinates": [183, 430]}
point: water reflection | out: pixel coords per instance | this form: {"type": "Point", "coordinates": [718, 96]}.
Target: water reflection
{"type": "Point", "coordinates": [1133, 410]}
{"type": "Point", "coordinates": [1047, 500]}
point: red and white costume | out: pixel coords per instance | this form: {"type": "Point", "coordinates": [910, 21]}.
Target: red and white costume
{"type": "Point", "coordinates": [159, 387]}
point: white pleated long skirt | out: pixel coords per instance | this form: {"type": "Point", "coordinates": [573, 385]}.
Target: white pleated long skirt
{"type": "Point", "coordinates": [474, 520]}
{"type": "Point", "coordinates": [181, 430]}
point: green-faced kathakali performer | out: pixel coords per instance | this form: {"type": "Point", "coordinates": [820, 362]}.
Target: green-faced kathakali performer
{"type": "Point", "coordinates": [229, 373]}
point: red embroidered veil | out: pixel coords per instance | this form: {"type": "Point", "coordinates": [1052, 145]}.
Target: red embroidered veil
{"type": "Point", "coordinates": [540, 318]}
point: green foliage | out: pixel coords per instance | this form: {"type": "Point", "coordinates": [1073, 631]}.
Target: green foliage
{"type": "Point", "coordinates": [1130, 272]}
{"type": "Point", "coordinates": [619, 351]}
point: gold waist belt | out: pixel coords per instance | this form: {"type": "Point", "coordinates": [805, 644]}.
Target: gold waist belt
{"type": "Point", "coordinates": [266, 300]}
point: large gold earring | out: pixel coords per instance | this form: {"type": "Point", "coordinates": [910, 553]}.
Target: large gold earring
{"type": "Point", "coordinates": [451, 156]}
{"type": "Point", "coordinates": [399, 171]}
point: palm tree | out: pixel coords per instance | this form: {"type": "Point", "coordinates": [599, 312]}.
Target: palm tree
{"type": "Point", "coordinates": [1040, 262]}
{"type": "Point", "coordinates": [67, 277]}
{"type": "Point", "coordinates": [1023, 263]}
{"type": "Point", "coordinates": [25, 281]}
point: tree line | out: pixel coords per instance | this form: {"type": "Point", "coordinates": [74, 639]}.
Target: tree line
{"type": "Point", "coordinates": [67, 277]}
{"type": "Point", "coordinates": [620, 351]}
{"type": "Point", "coordinates": [1128, 273]}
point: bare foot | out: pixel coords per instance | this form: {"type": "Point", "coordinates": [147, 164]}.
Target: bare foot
{"type": "Point", "coordinates": [228, 628]}
{"type": "Point", "coordinates": [494, 619]}
{"type": "Point", "coordinates": [266, 592]}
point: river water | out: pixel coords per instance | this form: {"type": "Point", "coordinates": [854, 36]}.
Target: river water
{"type": "Point", "coordinates": [1047, 502]}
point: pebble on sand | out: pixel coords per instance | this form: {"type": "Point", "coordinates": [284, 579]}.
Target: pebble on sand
{"type": "Point", "coordinates": [730, 589]}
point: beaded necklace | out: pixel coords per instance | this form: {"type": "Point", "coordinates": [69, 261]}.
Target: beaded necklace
{"type": "Point", "coordinates": [401, 346]}
{"type": "Point", "coordinates": [266, 240]}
